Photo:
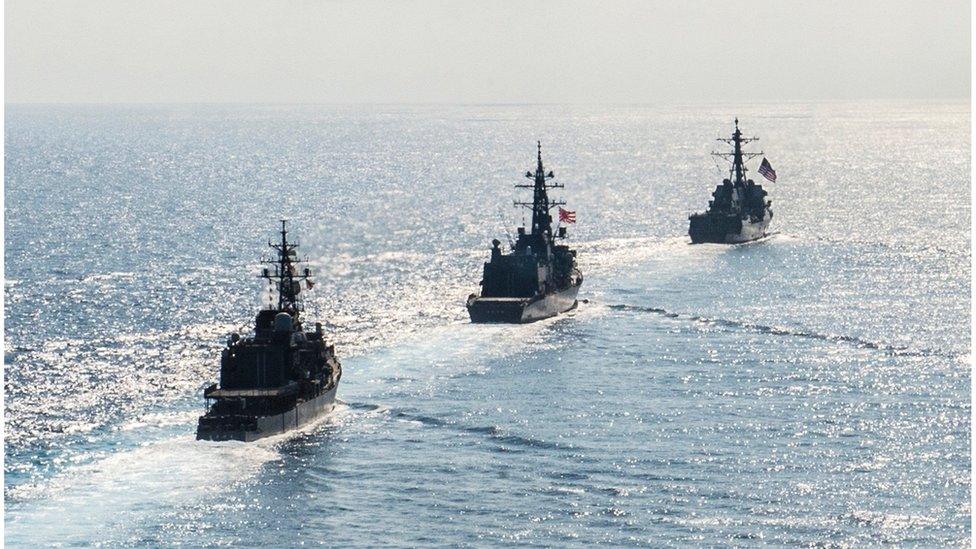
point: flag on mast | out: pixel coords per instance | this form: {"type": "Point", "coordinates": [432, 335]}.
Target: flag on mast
{"type": "Point", "coordinates": [766, 170]}
{"type": "Point", "coordinates": [567, 216]}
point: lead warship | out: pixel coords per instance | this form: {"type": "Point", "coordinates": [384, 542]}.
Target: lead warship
{"type": "Point", "coordinates": [739, 211]}
{"type": "Point", "coordinates": [538, 278]}
{"type": "Point", "coordinates": [281, 376]}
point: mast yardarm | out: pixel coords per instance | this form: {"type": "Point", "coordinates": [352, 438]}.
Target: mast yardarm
{"type": "Point", "coordinates": [540, 205]}
{"type": "Point", "coordinates": [737, 173]}
{"type": "Point", "coordinates": [286, 275]}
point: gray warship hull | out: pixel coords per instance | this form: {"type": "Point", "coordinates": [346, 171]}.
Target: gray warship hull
{"type": "Point", "coordinates": [727, 229]}
{"type": "Point", "coordinates": [520, 310]}
{"type": "Point", "coordinates": [250, 428]}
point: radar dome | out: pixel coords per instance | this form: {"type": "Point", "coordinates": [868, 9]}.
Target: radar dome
{"type": "Point", "coordinates": [282, 322]}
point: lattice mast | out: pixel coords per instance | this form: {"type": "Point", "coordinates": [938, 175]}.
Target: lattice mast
{"type": "Point", "coordinates": [284, 275]}
{"type": "Point", "coordinates": [738, 157]}
{"type": "Point", "coordinates": [541, 205]}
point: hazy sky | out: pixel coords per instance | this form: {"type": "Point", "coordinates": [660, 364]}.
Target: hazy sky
{"type": "Point", "coordinates": [484, 52]}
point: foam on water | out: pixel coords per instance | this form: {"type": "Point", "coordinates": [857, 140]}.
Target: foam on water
{"type": "Point", "coordinates": [109, 497]}
{"type": "Point", "coordinates": [102, 500]}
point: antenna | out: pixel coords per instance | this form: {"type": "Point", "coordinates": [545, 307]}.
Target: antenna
{"type": "Point", "coordinates": [540, 205]}
{"type": "Point", "coordinates": [508, 234]}
{"type": "Point", "coordinates": [286, 276]}
{"type": "Point", "coordinates": [738, 157]}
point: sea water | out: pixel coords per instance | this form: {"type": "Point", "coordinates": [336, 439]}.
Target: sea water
{"type": "Point", "coordinates": [813, 387]}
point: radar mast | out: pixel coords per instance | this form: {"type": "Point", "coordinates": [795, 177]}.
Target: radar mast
{"type": "Point", "coordinates": [285, 276]}
{"type": "Point", "coordinates": [541, 205]}
{"type": "Point", "coordinates": [737, 173]}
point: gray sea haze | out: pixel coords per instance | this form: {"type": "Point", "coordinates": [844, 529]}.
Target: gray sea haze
{"type": "Point", "coordinates": [810, 388]}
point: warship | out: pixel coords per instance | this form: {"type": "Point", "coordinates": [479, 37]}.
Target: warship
{"type": "Point", "coordinates": [538, 278]}
{"type": "Point", "coordinates": [280, 377]}
{"type": "Point", "coordinates": [739, 211]}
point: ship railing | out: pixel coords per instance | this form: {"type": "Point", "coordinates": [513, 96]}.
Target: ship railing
{"type": "Point", "coordinates": [285, 390]}
{"type": "Point", "coordinates": [230, 422]}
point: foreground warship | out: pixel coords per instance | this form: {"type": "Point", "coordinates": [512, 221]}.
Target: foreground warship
{"type": "Point", "coordinates": [280, 377]}
{"type": "Point", "coordinates": [739, 211]}
{"type": "Point", "coordinates": [539, 278]}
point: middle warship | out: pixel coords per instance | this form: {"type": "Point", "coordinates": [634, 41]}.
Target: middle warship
{"type": "Point", "coordinates": [279, 378]}
{"type": "Point", "coordinates": [539, 278]}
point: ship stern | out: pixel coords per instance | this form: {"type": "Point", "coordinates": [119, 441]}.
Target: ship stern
{"type": "Point", "coordinates": [712, 228]}
{"type": "Point", "coordinates": [496, 309]}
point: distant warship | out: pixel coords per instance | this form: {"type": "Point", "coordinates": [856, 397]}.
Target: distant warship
{"type": "Point", "coordinates": [739, 211]}
{"type": "Point", "coordinates": [539, 278]}
{"type": "Point", "coordinates": [280, 377]}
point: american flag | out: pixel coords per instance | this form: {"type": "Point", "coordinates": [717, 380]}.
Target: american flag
{"type": "Point", "coordinates": [766, 170]}
{"type": "Point", "coordinates": [567, 216]}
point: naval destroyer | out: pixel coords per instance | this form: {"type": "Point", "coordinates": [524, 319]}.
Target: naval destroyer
{"type": "Point", "coordinates": [739, 211]}
{"type": "Point", "coordinates": [280, 376]}
{"type": "Point", "coordinates": [538, 278]}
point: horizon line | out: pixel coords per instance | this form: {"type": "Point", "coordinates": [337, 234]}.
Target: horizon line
{"type": "Point", "coordinates": [949, 99]}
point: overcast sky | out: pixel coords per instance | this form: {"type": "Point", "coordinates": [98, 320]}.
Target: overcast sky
{"type": "Point", "coordinates": [548, 51]}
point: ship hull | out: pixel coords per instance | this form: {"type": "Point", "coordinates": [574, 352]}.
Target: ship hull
{"type": "Point", "coordinates": [720, 229]}
{"type": "Point", "coordinates": [514, 310]}
{"type": "Point", "coordinates": [257, 427]}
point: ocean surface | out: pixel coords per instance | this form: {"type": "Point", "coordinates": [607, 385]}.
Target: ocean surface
{"type": "Point", "coordinates": [811, 388]}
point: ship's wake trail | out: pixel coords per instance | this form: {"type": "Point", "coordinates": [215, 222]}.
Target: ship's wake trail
{"type": "Point", "coordinates": [105, 500]}
{"type": "Point", "coordinates": [366, 408]}
{"type": "Point", "coordinates": [504, 440]}
{"type": "Point", "coordinates": [771, 235]}
{"type": "Point", "coordinates": [894, 350]}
